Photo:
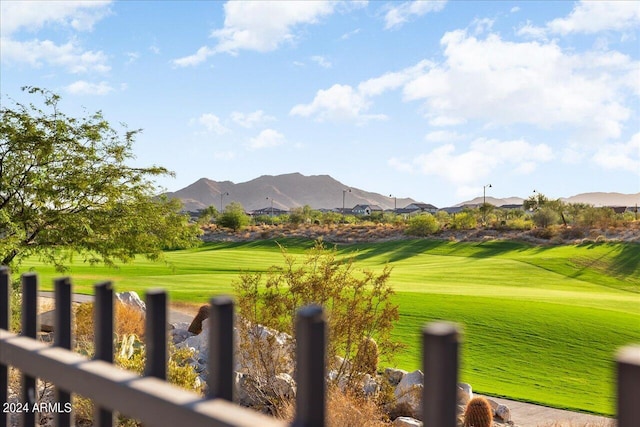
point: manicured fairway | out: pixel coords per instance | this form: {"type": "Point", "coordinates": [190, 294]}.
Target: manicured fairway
{"type": "Point", "coordinates": [541, 324]}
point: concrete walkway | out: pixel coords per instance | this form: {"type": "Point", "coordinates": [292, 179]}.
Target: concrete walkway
{"type": "Point", "coordinates": [530, 415]}
{"type": "Point", "coordinates": [174, 316]}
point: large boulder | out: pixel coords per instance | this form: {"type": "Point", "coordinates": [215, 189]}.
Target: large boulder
{"type": "Point", "coordinates": [408, 395]}
{"type": "Point", "coordinates": [196, 324]}
{"type": "Point", "coordinates": [465, 393]}
{"type": "Point", "coordinates": [394, 376]}
{"type": "Point", "coordinates": [132, 299]}
{"type": "Point", "coordinates": [406, 422]}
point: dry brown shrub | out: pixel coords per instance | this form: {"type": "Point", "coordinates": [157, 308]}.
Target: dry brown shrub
{"type": "Point", "coordinates": [128, 320]}
{"type": "Point", "coordinates": [346, 410]}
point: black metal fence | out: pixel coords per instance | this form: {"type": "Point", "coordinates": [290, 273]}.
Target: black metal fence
{"type": "Point", "coordinates": [155, 402]}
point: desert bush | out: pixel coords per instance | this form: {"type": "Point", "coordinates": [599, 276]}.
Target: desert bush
{"type": "Point", "coordinates": [543, 233]}
{"type": "Point", "coordinates": [545, 217]}
{"type": "Point", "coordinates": [521, 223]}
{"type": "Point", "coordinates": [128, 320]}
{"type": "Point", "coordinates": [234, 217]}
{"type": "Point", "coordinates": [464, 221]}
{"type": "Point", "coordinates": [422, 225]}
{"type": "Point", "coordinates": [357, 303]}
{"type": "Point", "coordinates": [572, 233]}
{"type": "Point", "coordinates": [346, 409]}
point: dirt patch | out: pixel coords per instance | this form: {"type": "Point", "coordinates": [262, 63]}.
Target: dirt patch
{"type": "Point", "coordinates": [358, 233]}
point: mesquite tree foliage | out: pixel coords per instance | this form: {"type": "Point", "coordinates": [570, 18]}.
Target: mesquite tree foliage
{"type": "Point", "coordinates": [67, 187]}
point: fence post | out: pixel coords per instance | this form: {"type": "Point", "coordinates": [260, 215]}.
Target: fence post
{"type": "Point", "coordinates": [103, 324]}
{"type": "Point", "coordinates": [440, 365]}
{"type": "Point", "coordinates": [29, 329]}
{"type": "Point", "coordinates": [156, 334]}
{"type": "Point", "coordinates": [628, 387]}
{"type": "Point", "coordinates": [310, 367]}
{"type": "Point", "coordinates": [62, 338]}
{"type": "Point", "coordinates": [5, 319]}
{"type": "Point", "coordinates": [221, 347]}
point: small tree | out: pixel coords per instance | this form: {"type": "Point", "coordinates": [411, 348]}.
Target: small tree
{"type": "Point", "coordinates": [358, 307]}
{"type": "Point", "coordinates": [207, 214]}
{"type": "Point", "coordinates": [67, 187]}
{"type": "Point", "coordinates": [422, 225]}
{"type": "Point", "coordinates": [545, 217]}
{"type": "Point", "coordinates": [234, 217]}
{"type": "Point", "coordinates": [464, 221]}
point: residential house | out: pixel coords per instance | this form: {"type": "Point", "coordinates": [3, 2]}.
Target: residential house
{"type": "Point", "coordinates": [414, 208]}
{"type": "Point", "coordinates": [366, 210]}
{"type": "Point", "coordinates": [271, 211]}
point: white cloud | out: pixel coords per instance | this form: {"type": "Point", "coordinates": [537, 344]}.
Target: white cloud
{"type": "Point", "coordinates": [515, 9]}
{"type": "Point", "coordinates": [200, 56]}
{"type": "Point", "coordinates": [133, 57]}
{"type": "Point", "coordinates": [251, 119]}
{"type": "Point", "coordinates": [400, 165]}
{"type": "Point", "coordinates": [443, 136]}
{"type": "Point", "coordinates": [347, 36]}
{"type": "Point", "coordinates": [155, 49]}
{"type": "Point", "coordinates": [266, 139]}
{"type": "Point", "coordinates": [82, 87]}
{"type": "Point", "coordinates": [32, 16]}
{"type": "Point", "coordinates": [211, 123]}
{"type": "Point", "coordinates": [338, 103]}
{"type": "Point", "coordinates": [245, 26]}
{"type": "Point", "coordinates": [393, 80]}
{"type": "Point", "coordinates": [482, 157]}
{"type": "Point", "coordinates": [594, 16]}
{"type": "Point", "coordinates": [321, 61]}
{"type": "Point", "coordinates": [68, 55]}
{"type": "Point", "coordinates": [396, 16]}
{"type": "Point", "coordinates": [18, 17]}
{"type": "Point", "coordinates": [620, 156]}
{"type": "Point", "coordinates": [502, 82]}
{"type": "Point", "coordinates": [588, 17]}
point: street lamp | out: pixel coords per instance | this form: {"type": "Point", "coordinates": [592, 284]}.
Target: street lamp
{"type": "Point", "coordinates": [271, 212]}
{"type": "Point", "coordinates": [395, 203]}
{"type": "Point", "coordinates": [484, 203]}
{"type": "Point", "coordinates": [226, 193]}
{"type": "Point", "coordinates": [344, 192]}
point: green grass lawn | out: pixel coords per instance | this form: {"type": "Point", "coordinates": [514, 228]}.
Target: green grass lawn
{"type": "Point", "coordinates": [541, 324]}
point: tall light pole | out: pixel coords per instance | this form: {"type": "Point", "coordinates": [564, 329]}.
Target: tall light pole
{"type": "Point", "coordinates": [395, 203]}
{"type": "Point", "coordinates": [226, 193]}
{"type": "Point", "coordinates": [484, 203]}
{"type": "Point", "coordinates": [271, 211]}
{"type": "Point", "coordinates": [344, 192]}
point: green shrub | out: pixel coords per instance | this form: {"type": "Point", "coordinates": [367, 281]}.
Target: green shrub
{"type": "Point", "coordinates": [464, 221]}
{"type": "Point", "coordinates": [234, 217]}
{"type": "Point", "coordinates": [545, 217]}
{"type": "Point", "coordinates": [422, 225]}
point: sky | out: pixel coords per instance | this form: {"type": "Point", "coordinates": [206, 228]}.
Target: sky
{"type": "Point", "coordinates": [432, 100]}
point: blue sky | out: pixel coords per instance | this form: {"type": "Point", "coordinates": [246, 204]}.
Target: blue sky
{"type": "Point", "coordinates": [424, 99]}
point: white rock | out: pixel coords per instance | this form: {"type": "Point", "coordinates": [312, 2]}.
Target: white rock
{"type": "Point", "coordinates": [180, 325]}
{"type": "Point", "coordinates": [394, 376]}
{"type": "Point", "coordinates": [132, 299]}
{"type": "Point", "coordinates": [179, 335]}
{"type": "Point", "coordinates": [465, 393]}
{"type": "Point", "coordinates": [503, 412]}
{"type": "Point", "coordinates": [370, 386]}
{"type": "Point", "coordinates": [408, 394]}
{"type": "Point", "coordinates": [406, 422]}
{"type": "Point", "coordinates": [284, 386]}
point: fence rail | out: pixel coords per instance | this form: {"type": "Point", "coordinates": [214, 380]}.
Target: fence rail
{"type": "Point", "coordinates": [155, 402]}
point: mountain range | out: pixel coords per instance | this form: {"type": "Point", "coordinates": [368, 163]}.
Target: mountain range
{"type": "Point", "coordinates": [322, 191]}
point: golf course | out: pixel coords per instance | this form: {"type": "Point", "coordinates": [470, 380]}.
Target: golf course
{"type": "Point", "coordinates": [540, 323]}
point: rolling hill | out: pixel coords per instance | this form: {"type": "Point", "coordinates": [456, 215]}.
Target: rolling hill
{"type": "Point", "coordinates": [323, 191]}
